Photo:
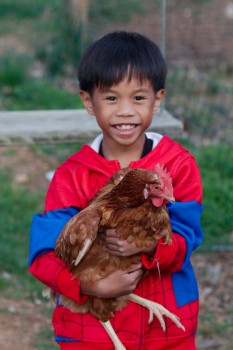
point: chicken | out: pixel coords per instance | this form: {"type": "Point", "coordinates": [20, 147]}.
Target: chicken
{"type": "Point", "coordinates": [133, 203]}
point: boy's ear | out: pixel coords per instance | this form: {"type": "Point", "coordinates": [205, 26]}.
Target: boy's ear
{"type": "Point", "coordinates": [87, 101]}
{"type": "Point", "coordinates": [158, 99]}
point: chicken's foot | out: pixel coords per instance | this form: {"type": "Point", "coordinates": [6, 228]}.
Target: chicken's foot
{"type": "Point", "coordinates": [112, 334]}
{"type": "Point", "coordinates": [156, 309]}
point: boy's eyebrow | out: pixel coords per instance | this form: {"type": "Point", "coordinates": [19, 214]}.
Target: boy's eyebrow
{"type": "Point", "coordinates": [104, 90]}
{"type": "Point", "coordinates": [140, 90]}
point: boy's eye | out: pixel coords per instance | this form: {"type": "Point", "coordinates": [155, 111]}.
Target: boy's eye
{"type": "Point", "coordinates": [139, 98]}
{"type": "Point", "coordinates": [111, 98]}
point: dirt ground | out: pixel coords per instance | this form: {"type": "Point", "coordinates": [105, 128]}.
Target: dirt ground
{"type": "Point", "coordinates": [21, 321]}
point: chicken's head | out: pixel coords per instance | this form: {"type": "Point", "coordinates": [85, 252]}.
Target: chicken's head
{"type": "Point", "coordinates": [161, 191]}
{"type": "Point", "coordinates": [133, 185]}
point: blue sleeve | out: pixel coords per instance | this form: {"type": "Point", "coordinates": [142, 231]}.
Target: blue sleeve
{"type": "Point", "coordinates": [45, 230]}
{"type": "Point", "coordinates": [186, 220]}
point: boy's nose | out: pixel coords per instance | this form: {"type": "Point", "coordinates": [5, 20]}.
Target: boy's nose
{"type": "Point", "coordinates": [125, 109]}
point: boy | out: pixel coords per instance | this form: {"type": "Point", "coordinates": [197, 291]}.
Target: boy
{"type": "Point", "coordinates": [122, 79]}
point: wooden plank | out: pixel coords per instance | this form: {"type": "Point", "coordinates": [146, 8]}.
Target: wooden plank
{"type": "Point", "coordinates": [65, 126]}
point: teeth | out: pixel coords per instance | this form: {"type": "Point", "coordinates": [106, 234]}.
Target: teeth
{"type": "Point", "coordinates": [125, 127]}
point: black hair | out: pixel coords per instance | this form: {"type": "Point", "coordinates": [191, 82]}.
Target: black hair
{"type": "Point", "coordinates": [117, 55]}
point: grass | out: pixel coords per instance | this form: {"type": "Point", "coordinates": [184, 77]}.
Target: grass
{"type": "Point", "coordinates": [216, 166]}
{"type": "Point", "coordinates": [220, 327]}
{"type": "Point", "coordinates": [19, 91]}
{"type": "Point", "coordinates": [203, 101]}
{"type": "Point", "coordinates": [44, 341]}
{"type": "Point", "coordinates": [38, 95]}
{"type": "Point", "coordinates": [60, 152]}
{"type": "Point", "coordinates": [13, 70]}
{"type": "Point", "coordinates": [118, 10]}
{"type": "Point", "coordinates": [21, 10]}
{"type": "Point", "coordinates": [54, 39]}
{"type": "Point", "coordinates": [17, 207]}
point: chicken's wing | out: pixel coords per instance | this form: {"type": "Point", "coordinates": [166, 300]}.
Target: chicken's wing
{"type": "Point", "coordinates": [77, 236]}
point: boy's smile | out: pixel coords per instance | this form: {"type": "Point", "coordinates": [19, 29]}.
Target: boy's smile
{"type": "Point", "coordinates": [124, 112]}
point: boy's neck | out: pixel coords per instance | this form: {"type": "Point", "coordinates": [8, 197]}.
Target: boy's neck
{"type": "Point", "coordinates": [124, 158]}
{"type": "Point", "coordinates": [125, 154]}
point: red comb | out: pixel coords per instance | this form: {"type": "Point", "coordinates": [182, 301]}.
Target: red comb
{"type": "Point", "coordinates": [164, 177]}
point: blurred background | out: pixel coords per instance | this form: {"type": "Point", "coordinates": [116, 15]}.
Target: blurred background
{"type": "Point", "coordinates": [40, 45]}
{"type": "Point", "coordinates": [41, 42]}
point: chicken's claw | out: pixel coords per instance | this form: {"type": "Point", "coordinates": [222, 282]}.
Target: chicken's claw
{"type": "Point", "coordinates": [158, 310]}
{"type": "Point", "coordinates": [112, 334]}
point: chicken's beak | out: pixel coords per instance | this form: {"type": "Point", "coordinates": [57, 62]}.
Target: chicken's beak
{"type": "Point", "coordinates": [170, 198]}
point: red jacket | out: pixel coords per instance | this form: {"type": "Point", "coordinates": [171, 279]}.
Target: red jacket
{"type": "Point", "coordinates": [75, 182]}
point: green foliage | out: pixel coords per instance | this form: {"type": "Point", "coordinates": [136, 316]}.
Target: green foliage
{"type": "Point", "coordinates": [65, 48]}
{"type": "Point", "coordinates": [13, 70]}
{"type": "Point", "coordinates": [21, 9]}
{"type": "Point", "coordinates": [202, 102]}
{"type": "Point", "coordinates": [60, 152]}
{"type": "Point", "coordinates": [38, 94]}
{"type": "Point", "coordinates": [216, 163]}
{"type": "Point", "coordinates": [120, 10]}
{"type": "Point", "coordinates": [65, 44]}
{"type": "Point", "coordinates": [210, 324]}
{"type": "Point", "coordinates": [17, 207]}
{"type": "Point", "coordinates": [57, 40]}
{"type": "Point", "coordinates": [19, 91]}
{"type": "Point", "coordinates": [45, 340]}
{"type": "Point", "coordinates": [68, 38]}
{"type": "Point", "coordinates": [216, 166]}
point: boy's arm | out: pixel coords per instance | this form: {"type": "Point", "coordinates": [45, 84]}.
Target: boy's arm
{"type": "Point", "coordinates": [43, 263]}
{"type": "Point", "coordinates": [63, 200]}
{"type": "Point", "coordinates": [52, 271]}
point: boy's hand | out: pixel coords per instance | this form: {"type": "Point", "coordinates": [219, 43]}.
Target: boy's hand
{"type": "Point", "coordinates": [117, 284]}
{"type": "Point", "coordinates": [116, 246]}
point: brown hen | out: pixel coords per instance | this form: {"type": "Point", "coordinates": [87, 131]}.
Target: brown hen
{"type": "Point", "coordinates": [133, 203]}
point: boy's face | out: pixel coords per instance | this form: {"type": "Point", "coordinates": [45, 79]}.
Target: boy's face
{"type": "Point", "coordinates": [124, 111]}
